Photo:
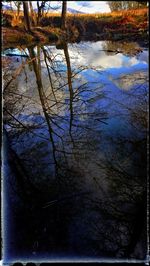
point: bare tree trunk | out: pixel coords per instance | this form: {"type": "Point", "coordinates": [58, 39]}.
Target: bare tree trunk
{"type": "Point", "coordinates": [63, 15]}
{"type": "Point", "coordinates": [38, 12]}
{"type": "Point", "coordinates": [69, 76]}
{"type": "Point", "coordinates": [32, 13]}
{"type": "Point", "coordinates": [18, 11]}
{"type": "Point", "coordinates": [37, 71]}
{"type": "Point", "coordinates": [39, 15]}
{"type": "Point", "coordinates": [49, 74]}
{"type": "Point", "coordinates": [26, 16]}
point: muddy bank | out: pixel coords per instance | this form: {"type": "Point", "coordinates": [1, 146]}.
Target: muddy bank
{"type": "Point", "coordinates": [130, 25]}
{"type": "Point", "coordinates": [12, 36]}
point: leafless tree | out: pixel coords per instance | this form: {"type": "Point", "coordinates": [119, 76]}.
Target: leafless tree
{"type": "Point", "coordinates": [26, 16]}
{"type": "Point", "coordinates": [63, 15]}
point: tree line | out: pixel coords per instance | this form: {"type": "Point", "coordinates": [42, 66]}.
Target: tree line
{"type": "Point", "coordinates": [41, 7]}
{"type": "Point", "coordinates": [125, 5]}
{"type": "Point", "coordinates": [32, 18]}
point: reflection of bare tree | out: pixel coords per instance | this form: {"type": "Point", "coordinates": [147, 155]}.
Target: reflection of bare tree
{"type": "Point", "coordinates": [49, 74]}
{"type": "Point", "coordinates": [69, 74]}
{"type": "Point", "coordinates": [126, 169]}
{"type": "Point", "coordinates": [102, 176]}
{"type": "Point", "coordinates": [125, 205]}
{"type": "Point", "coordinates": [37, 70]}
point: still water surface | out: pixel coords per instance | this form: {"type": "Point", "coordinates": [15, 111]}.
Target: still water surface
{"type": "Point", "coordinates": [75, 137]}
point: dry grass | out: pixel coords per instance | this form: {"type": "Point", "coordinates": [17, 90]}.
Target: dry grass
{"type": "Point", "coordinates": [134, 17]}
{"type": "Point", "coordinates": [132, 12]}
{"type": "Point", "coordinates": [12, 35]}
{"type": "Point", "coordinates": [117, 25]}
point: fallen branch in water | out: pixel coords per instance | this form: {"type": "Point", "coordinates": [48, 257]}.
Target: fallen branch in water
{"type": "Point", "coordinates": [50, 203]}
{"type": "Point", "coordinates": [21, 55]}
{"type": "Point", "coordinates": [17, 72]}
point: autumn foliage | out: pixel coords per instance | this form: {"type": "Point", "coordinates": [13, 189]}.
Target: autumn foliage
{"type": "Point", "coordinates": [116, 25]}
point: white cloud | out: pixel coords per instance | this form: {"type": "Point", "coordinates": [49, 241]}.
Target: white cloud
{"type": "Point", "coordinates": [93, 6]}
{"type": "Point", "coordinates": [84, 6]}
{"type": "Point", "coordinates": [84, 3]}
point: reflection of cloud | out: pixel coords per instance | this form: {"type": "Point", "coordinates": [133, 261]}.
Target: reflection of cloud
{"type": "Point", "coordinates": [92, 55]}
{"type": "Point", "coordinates": [128, 81]}
{"type": "Point", "coordinates": [143, 57]}
{"type": "Point", "coordinates": [132, 61]}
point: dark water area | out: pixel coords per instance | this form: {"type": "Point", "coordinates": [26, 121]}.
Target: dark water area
{"type": "Point", "coordinates": [75, 152]}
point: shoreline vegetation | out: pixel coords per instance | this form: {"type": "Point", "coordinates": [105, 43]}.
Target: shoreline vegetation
{"type": "Point", "coordinates": [126, 25]}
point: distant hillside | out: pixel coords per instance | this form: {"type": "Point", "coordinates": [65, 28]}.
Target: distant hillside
{"type": "Point", "coordinates": [74, 11]}
{"type": "Point", "coordinates": [70, 10]}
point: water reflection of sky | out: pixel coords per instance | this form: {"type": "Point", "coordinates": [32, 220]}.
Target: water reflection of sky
{"type": "Point", "coordinates": [110, 70]}
{"type": "Point", "coordinates": [92, 55]}
{"type": "Point", "coordinates": [113, 66]}
{"type": "Point", "coordinates": [104, 72]}
{"type": "Point", "coordinates": [105, 116]}
{"type": "Point", "coordinates": [102, 69]}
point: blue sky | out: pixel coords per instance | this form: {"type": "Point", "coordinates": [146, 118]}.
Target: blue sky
{"type": "Point", "coordinates": [89, 6]}
{"type": "Point", "coordinates": [85, 6]}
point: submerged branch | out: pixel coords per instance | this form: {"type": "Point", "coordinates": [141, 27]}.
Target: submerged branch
{"type": "Point", "coordinates": [57, 201]}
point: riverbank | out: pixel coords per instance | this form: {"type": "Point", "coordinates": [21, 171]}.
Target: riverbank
{"type": "Point", "coordinates": [131, 25]}
{"type": "Point", "coordinates": [11, 35]}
